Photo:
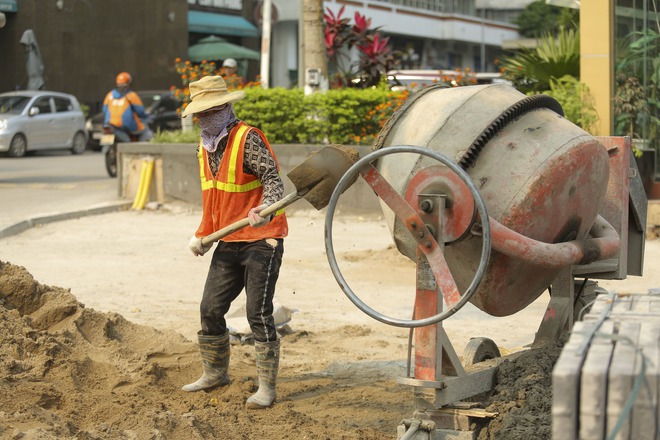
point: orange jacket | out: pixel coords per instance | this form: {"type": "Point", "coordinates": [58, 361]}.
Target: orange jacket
{"type": "Point", "coordinates": [124, 111]}
{"type": "Point", "coordinates": [230, 194]}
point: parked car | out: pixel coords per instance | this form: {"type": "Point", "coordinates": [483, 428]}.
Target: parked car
{"type": "Point", "coordinates": [161, 105]}
{"type": "Point", "coordinates": [418, 79]}
{"type": "Point", "coordinates": [34, 120]}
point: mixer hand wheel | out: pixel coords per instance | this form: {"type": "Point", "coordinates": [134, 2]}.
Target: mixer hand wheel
{"type": "Point", "coordinates": [425, 241]}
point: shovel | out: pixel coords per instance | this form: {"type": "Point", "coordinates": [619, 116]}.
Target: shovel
{"type": "Point", "coordinates": [315, 179]}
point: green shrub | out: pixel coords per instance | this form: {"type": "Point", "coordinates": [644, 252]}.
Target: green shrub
{"type": "Point", "coordinates": [287, 116]}
{"type": "Point", "coordinates": [531, 69]}
{"type": "Point", "coordinates": [177, 136]}
{"type": "Point", "coordinates": [347, 116]}
{"type": "Point", "coordinates": [576, 100]}
{"type": "Point", "coordinates": [278, 112]}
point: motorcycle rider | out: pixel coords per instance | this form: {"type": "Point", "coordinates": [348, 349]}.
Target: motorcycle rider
{"type": "Point", "coordinates": [124, 112]}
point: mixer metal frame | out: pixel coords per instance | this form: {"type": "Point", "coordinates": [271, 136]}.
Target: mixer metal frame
{"type": "Point", "coordinates": [438, 367]}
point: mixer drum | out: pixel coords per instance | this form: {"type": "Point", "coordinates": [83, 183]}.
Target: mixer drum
{"type": "Point", "coordinates": [540, 175]}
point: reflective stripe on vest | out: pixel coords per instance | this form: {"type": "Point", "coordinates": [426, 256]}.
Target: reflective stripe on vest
{"type": "Point", "coordinates": [230, 184]}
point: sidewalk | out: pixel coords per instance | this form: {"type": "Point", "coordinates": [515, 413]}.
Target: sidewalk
{"type": "Point", "coordinates": [26, 206]}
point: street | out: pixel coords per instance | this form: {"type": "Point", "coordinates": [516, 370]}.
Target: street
{"type": "Point", "coordinates": [52, 182]}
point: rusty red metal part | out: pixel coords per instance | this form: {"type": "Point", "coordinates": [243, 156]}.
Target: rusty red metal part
{"type": "Point", "coordinates": [418, 231]}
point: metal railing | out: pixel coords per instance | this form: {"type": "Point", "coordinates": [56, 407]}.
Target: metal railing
{"type": "Point", "coordinates": [446, 6]}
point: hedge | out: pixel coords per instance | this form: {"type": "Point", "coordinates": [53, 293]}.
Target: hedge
{"type": "Point", "coordinates": [287, 116]}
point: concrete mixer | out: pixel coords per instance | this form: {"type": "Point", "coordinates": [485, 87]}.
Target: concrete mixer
{"type": "Point", "coordinates": [496, 198]}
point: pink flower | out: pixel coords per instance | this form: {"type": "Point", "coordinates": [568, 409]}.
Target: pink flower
{"type": "Point", "coordinates": [331, 19]}
{"type": "Point", "coordinates": [362, 23]}
{"type": "Point", "coordinates": [375, 47]}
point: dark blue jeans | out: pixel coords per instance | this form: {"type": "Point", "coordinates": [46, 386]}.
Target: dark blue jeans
{"type": "Point", "coordinates": [254, 266]}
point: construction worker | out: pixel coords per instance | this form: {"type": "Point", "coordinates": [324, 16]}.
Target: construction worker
{"type": "Point", "coordinates": [240, 178]}
{"type": "Point", "coordinates": [124, 112]}
{"type": "Point", "coordinates": [229, 73]}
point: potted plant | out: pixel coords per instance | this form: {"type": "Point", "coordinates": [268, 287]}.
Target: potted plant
{"type": "Point", "coordinates": [636, 105]}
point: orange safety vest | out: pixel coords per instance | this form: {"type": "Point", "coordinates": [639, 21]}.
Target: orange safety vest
{"type": "Point", "coordinates": [230, 194]}
{"type": "Point", "coordinates": [121, 111]}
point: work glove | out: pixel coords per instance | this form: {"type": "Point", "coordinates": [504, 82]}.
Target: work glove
{"type": "Point", "coordinates": [196, 246]}
{"type": "Point", "coordinates": [255, 219]}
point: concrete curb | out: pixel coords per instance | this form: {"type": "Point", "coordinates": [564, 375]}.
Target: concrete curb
{"type": "Point", "coordinates": [42, 220]}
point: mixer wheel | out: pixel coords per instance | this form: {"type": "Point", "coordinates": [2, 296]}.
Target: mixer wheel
{"type": "Point", "coordinates": [479, 350]}
{"type": "Point", "coordinates": [425, 241]}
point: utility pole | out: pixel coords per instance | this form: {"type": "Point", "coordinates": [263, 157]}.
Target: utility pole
{"type": "Point", "coordinates": [482, 53]}
{"type": "Point", "coordinates": [315, 62]}
{"type": "Point", "coordinates": [265, 43]}
{"type": "Point", "coordinates": [301, 46]}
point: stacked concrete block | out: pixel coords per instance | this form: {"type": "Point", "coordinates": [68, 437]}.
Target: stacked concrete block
{"type": "Point", "coordinates": [607, 378]}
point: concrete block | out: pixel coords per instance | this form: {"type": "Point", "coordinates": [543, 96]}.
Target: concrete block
{"type": "Point", "coordinates": [593, 386]}
{"type": "Point", "coordinates": [597, 388]}
{"type": "Point", "coordinates": [624, 367]}
{"type": "Point", "coordinates": [646, 408]}
{"type": "Point", "coordinates": [566, 383]}
{"type": "Point", "coordinates": [601, 303]}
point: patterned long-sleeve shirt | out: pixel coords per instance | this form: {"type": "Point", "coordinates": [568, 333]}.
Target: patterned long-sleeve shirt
{"type": "Point", "coordinates": [257, 161]}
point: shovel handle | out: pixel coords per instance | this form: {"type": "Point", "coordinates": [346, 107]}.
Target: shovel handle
{"type": "Point", "coordinates": [282, 203]}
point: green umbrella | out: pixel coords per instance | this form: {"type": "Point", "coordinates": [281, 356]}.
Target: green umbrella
{"type": "Point", "coordinates": [216, 48]}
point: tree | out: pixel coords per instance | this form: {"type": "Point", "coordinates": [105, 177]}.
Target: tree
{"type": "Point", "coordinates": [315, 63]}
{"type": "Point", "coordinates": [539, 18]}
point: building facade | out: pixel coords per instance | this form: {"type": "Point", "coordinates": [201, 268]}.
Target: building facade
{"type": "Point", "coordinates": [433, 34]}
{"type": "Point", "coordinates": [85, 43]}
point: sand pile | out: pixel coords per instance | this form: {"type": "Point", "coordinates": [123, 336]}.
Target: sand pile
{"type": "Point", "coordinates": [71, 372]}
{"type": "Point", "coordinates": [522, 397]}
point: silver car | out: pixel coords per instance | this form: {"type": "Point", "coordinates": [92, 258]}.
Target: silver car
{"type": "Point", "coordinates": [34, 120]}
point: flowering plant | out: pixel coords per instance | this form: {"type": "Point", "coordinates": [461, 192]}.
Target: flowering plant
{"type": "Point", "coordinates": [376, 57]}
{"type": "Point", "coordinates": [189, 72]}
{"type": "Point", "coordinates": [464, 77]}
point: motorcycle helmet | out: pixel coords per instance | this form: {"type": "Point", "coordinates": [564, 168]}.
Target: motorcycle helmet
{"type": "Point", "coordinates": [124, 79]}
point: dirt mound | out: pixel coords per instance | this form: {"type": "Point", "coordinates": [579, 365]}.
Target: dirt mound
{"type": "Point", "coordinates": [523, 397]}
{"type": "Point", "coordinates": [70, 371]}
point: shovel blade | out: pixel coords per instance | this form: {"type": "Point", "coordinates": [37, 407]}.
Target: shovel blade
{"type": "Point", "coordinates": [317, 176]}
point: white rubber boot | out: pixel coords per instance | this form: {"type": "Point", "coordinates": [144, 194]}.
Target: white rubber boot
{"type": "Point", "coordinates": [268, 360]}
{"type": "Point", "coordinates": [215, 360]}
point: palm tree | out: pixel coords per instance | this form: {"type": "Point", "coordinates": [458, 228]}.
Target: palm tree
{"type": "Point", "coordinates": [531, 69]}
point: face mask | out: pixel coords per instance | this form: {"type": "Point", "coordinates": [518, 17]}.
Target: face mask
{"type": "Point", "coordinates": [214, 126]}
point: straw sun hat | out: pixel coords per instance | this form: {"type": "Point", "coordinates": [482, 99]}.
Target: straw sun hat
{"type": "Point", "coordinates": [209, 92]}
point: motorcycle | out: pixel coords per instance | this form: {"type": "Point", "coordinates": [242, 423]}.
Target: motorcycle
{"type": "Point", "coordinates": [109, 149]}
{"type": "Point", "coordinates": [108, 143]}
